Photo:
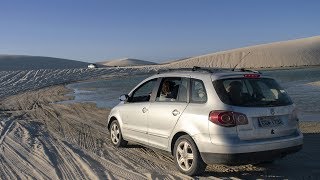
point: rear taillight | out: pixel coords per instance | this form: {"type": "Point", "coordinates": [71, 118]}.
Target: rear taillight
{"type": "Point", "coordinates": [228, 118]}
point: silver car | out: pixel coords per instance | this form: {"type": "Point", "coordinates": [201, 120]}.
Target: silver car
{"type": "Point", "coordinates": [204, 116]}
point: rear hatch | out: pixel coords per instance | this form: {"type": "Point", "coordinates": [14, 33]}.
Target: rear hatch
{"type": "Point", "coordinates": [269, 110]}
{"type": "Point", "coordinates": [267, 122]}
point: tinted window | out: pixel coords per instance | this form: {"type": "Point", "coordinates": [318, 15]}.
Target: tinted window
{"type": "Point", "coordinates": [143, 93]}
{"type": "Point", "coordinates": [172, 89]}
{"type": "Point", "coordinates": [198, 92]}
{"type": "Point", "coordinates": [260, 92]}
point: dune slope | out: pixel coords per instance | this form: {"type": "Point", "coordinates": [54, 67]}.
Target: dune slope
{"type": "Point", "coordinates": [20, 62]}
{"type": "Point", "coordinates": [126, 62]}
{"type": "Point", "coordinates": [300, 52]}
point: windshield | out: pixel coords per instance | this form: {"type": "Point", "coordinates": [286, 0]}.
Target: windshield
{"type": "Point", "coordinates": [259, 92]}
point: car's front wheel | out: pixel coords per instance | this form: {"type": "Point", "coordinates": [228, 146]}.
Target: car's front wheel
{"type": "Point", "coordinates": [116, 136]}
{"type": "Point", "coordinates": [187, 157]}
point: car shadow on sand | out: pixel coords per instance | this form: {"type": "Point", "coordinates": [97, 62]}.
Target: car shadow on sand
{"type": "Point", "coordinates": [130, 146]}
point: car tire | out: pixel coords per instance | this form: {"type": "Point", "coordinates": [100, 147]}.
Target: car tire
{"type": "Point", "coordinates": [187, 157]}
{"type": "Point", "coordinates": [116, 135]}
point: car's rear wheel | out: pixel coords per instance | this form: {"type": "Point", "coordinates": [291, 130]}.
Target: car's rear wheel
{"type": "Point", "coordinates": [116, 136]}
{"type": "Point", "coordinates": [187, 157]}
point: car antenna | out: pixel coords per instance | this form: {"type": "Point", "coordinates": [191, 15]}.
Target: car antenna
{"type": "Point", "coordinates": [240, 61]}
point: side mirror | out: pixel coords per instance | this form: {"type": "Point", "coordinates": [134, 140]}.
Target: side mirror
{"type": "Point", "coordinates": [123, 97]}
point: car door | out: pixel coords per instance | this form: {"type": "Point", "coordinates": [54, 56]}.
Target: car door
{"type": "Point", "coordinates": [165, 111]}
{"type": "Point", "coordinates": [134, 112]}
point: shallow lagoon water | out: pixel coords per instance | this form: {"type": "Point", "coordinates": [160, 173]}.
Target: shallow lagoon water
{"type": "Point", "coordinates": [104, 92]}
{"type": "Point", "coordinates": [303, 86]}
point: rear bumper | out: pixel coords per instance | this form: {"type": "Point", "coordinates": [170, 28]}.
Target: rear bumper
{"type": "Point", "coordinates": [231, 150]}
{"type": "Point", "coordinates": [247, 158]}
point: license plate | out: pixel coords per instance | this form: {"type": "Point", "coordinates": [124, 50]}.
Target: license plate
{"type": "Point", "coordinates": [270, 121]}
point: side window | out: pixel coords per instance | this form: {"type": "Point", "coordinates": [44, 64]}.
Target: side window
{"type": "Point", "coordinates": [173, 89]}
{"type": "Point", "coordinates": [143, 93]}
{"type": "Point", "coordinates": [198, 92]}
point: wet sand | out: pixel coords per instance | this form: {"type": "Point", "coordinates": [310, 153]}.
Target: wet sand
{"type": "Point", "coordinates": [42, 139]}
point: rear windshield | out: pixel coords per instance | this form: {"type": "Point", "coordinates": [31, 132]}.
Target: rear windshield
{"type": "Point", "coordinates": [260, 92]}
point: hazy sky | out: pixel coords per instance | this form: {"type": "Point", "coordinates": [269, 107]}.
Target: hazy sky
{"type": "Point", "coordinates": [155, 30]}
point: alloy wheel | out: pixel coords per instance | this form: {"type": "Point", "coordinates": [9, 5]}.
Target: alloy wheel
{"type": "Point", "coordinates": [184, 155]}
{"type": "Point", "coordinates": [115, 133]}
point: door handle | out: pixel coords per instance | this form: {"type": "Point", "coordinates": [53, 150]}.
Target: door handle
{"type": "Point", "coordinates": [144, 110]}
{"type": "Point", "coordinates": [175, 112]}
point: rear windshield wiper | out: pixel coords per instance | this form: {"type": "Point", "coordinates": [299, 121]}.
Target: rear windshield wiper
{"type": "Point", "coordinates": [272, 103]}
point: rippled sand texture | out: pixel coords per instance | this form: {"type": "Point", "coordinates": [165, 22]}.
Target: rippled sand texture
{"type": "Point", "coordinates": [13, 82]}
{"type": "Point", "coordinates": [40, 139]}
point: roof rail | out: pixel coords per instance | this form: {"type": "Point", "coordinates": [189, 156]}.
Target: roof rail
{"type": "Point", "coordinates": [194, 68]}
{"type": "Point", "coordinates": [209, 70]}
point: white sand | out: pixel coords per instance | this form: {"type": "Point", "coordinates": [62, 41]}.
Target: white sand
{"type": "Point", "coordinates": [317, 83]}
{"type": "Point", "coordinates": [300, 52]}
{"type": "Point", "coordinates": [39, 139]}
{"type": "Point", "coordinates": [293, 53]}
{"type": "Point", "coordinates": [126, 62]}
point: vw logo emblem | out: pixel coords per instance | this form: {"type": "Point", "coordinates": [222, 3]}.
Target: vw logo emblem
{"type": "Point", "coordinates": [272, 131]}
{"type": "Point", "coordinates": [272, 111]}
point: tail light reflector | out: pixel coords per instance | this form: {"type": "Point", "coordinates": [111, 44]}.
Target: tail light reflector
{"type": "Point", "coordinates": [228, 118]}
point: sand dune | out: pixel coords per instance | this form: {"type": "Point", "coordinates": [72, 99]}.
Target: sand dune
{"type": "Point", "coordinates": [21, 62]}
{"type": "Point", "coordinates": [126, 62]}
{"type": "Point", "coordinates": [300, 52]}
{"type": "Point", "coordinates": [294, 53]}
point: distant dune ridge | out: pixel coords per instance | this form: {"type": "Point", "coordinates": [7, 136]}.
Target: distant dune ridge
{"type": "Point", "coordinates": [126, 62]}
{"type": "Point", "coordinates": [22, 62]}
{"type": "Point", "coordinates": [293, 53]}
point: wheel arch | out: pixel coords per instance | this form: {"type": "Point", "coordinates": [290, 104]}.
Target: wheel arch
{"type": "Point", "coordinates": [175, 138]}
{"type": "Point", "coordinates": [113, 118]}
